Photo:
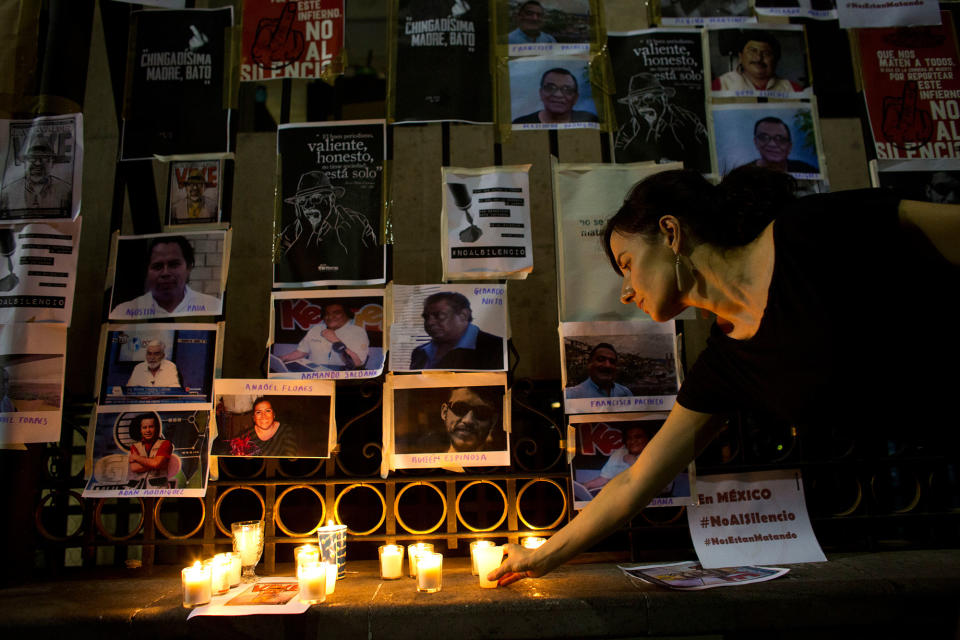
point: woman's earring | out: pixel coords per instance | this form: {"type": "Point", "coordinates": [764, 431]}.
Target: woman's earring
{"type": "Point", "coordinates": [676, 268]}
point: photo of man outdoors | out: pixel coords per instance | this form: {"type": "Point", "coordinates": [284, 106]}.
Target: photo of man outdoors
{"type": "Point", "coordinates": [602, 372]}
{"type": "Point", "coordinates": [559, 92]}
{"type": "Point", "coordinates": [529, 17]}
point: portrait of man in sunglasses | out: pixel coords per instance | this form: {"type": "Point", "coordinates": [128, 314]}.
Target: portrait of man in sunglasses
{"type": "Point", "coordinates": [469, 420]}
{"type": "Point", "coordinates": [771, 136]}
{"type": "Point", "coordinates": [559, 92]}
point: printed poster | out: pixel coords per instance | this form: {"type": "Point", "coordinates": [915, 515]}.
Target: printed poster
{"type": "Point", "coordinates": [194, 192]}
{"type": "Point", "coordinates": [450, 327]}
{"type": "Point", "coordinates": [31, 378]}
{"type": "Point", "coordinates": [816, 9]}
{"type": "Point", "coordinates": [327, 334]}
{"type": "Point", "coordinates": [442, 62]}
{"type": "Point", "coordinates": [911, 87]}
{"type": "Point", "coordinates": [332, 195]}
{"type": "Point", "coordinates": [175, 84]}
{"type": "Point", "coordinates": [267, 596]}
{"type": "Point", "coordinates": [42, 166]}
{"type": "Point", "coordinates": [291, 39]}
{"type": "Point", "coordinates": [274, 418]}
{"type": "Point", "coordinates": [38, 269]}
{"type": "Point", "coordinates": [661, 98]}
{"type": "Point", "coordinates": [486, 214]}
{"type": "Point", "coordinates": [685, 13]}
{"type": "Point", "coordinates": [607, 445]}
{"type": "Point", "coordinates": [612, 367]}
{"type": "Point", "coordinates": [924, 180]}
{"type": "Point", "coordinates": [763, 61]}
{"type": "Point", "coordinates": [149, 451]}
{"type": "Point", "coordinates": [552, 92]}
{"type": "Point", "coordinates": [585, 196]}
{"type": "Point", "coordinates": [446, 421]}
{"type": "Point", "coordinates": [531, 27]}
{"type": "Point", "coordinates": [157, 363]}
{"type": "Point", "coordinates": [782, 136]}
{"type": "Point", "coordinates": [691, 576]}
{"type": "Point", "coordinates": [883, 13]}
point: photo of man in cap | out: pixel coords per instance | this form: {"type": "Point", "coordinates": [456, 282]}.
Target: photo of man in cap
{"type": "Point", "coordinates": [657, 128]}
{"type": "Point", "coordinates": [194, 205]}
{"type": "Point", "coordinates": [38, 191]}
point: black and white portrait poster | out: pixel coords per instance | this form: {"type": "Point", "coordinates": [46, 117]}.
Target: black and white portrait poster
{"type": "Point", "coordinates": [332, 193]}
{"type": "Point", "coordinates": [31, 381]}
{"type": "Point", "coordinates": [768, 61]}
{"type": "Point", "coordinates": [924, 180]}
{"type": "Point", "coordinates": [445, 420]}
{"type": "Point", "coordinates": [38, 269]}
{"type": "Point", "coordinates": [613, 367]}
{"type": "Point", "coordinates": [326, 334]}
{"type": "Point", "coordinates": [685, 13]}
{"type": "Point", "coordinates": [542, 27]}
{"type": "Point", "coordinates": [553, 92]}
{"type": "Point", "coordinates": [157, 363]}
{"type": "Point", "coordinates": [194, 194]}
{"type": "Point", "coordinates": [451, 327]}
{"type": "Point", "coordinates": [169, 275]}
{"type": "Point", "coordinates": [274, 418]}
{"type": "Point", "coordinates": [175, 89]}
{"type": "Point", "coordinates": [816, 9]}
{"type": "Point", "coordinates": [442, 62]}
{"type": "Point", "coordinates": [486, 215]}
{"type": "Point", "coordinates": [607, 445]}
{"type": "Point", "coordinates": [143, 451]}
{"type": "Point", "coordinates": [661, 97]}
{"type": "Point", "coordinates": [42, 163]}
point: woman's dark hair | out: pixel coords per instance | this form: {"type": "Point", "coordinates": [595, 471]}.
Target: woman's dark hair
{"type": "Point", "coordinates": [728, 215]}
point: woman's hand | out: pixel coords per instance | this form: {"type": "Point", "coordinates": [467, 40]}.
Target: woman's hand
{"type": "Point", "coordinates": [517, 564]}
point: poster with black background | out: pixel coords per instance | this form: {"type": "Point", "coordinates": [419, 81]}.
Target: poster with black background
{"type": "Point", "coordinates": [442, 61]}
{"type": "Point", "coordinates": [331, 192]}
{"type": "Point", "coordinates": [174, 102]}
{"type": "Point", "coordinates": [660, 101]}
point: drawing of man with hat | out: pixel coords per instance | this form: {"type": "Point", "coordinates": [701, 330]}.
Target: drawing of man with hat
{"type": "Point", "coordinates": [657, 129]}
{"type": "Point", "coordinates": [321, 221]}
{"type": "Point", "coordinates": [38, 189]}
{"type": "Point", "coordinates": [195, 206]}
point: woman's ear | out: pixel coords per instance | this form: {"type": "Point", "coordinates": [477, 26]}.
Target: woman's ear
{"type": "Point", "coordinates": [670, 230]}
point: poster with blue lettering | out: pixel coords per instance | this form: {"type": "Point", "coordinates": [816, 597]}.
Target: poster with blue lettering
{"type": "Point", "coordinates": [326, 334]}
{"type": "Point", "coordinates": [149, 451]}
{"type": "Point", "coordinates": [441, 62]}
{"type": "Point", "coordinates": [445, 421]}
{"type": "Point", "coordinates": [611, 367]}
{"type": "Point", "coordinates": [157, 363]}
{"type": "Point", "coordinates": [31, 381]}
{"type": "Point", "coordinates": [274, 418]}
{"type": "Point", "coordinates": [175, 102]}
{"type": "Point", "coordinates": [169, 275]}
{"type": "Point", "coordinates": [608, 444]}
{"type": "Point", "coordinates": [449, 327]}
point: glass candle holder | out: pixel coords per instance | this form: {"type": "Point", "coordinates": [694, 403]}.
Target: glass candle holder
{"type": "Point", "coordinates": [248, 542]}
{"type": "Point", "coordinates": [219, 575]}
{"type": "Point", "coordinates": [234, 570]}
{"type": "Point", "coordinates": [305, 554]}
{"type": "Point", "coordinates": [488, 559]}
{"type": "Point", "coordinates": [413, 550]}
{"type": "Point", "coordinates": [195, 581]}
{"type": "Point", "coordinates": [429, 572]}
{"type": "Point", "coordinates": [391, 561]}
{"type": "Point", "coordinates": [312, 578]}
{"type": "Point", "coordinates": [532, 542]}
{"type": "Point", "coordinates": [473, 553]}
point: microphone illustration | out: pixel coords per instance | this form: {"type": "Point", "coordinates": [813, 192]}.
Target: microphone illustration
{"type": "Point", "coordinates": [461, 197]}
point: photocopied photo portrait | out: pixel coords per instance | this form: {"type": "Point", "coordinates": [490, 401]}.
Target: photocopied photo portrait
{"type": "Point", "coordinates": [143, 363]}
{"type": "Point", "coordinates": [194, 191]}
{"type": "Point", "coordinates": [274, 418]}
{"type": "Point", "coordinates": [925, 180]}
{"type": "Point", "coordinates": [608, 445]}
{"type": "Point", "coordinates": [32, 359]}
{"type": "Point", "coordinates": [452, 327]}
{"type": "Point", "coordinates": [768, 61]}
{"type": "Point", "coordinates": [459, 420]}
{"type": "Point", "coordinates": [169, 275]}
{"type": "Point", "coordinates": [327, 334]}
{"type": "Point", "coordinates": [552, 92]}
{"type": "Point", "coordinates": [537, 26]}
{"type": "Point", "coordinates": [618, 366]}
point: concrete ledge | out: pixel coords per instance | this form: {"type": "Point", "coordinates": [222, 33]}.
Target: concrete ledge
{"type": "Point", "coordinates": [916, 593]}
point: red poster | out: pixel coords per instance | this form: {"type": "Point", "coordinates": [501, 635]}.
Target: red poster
{"type": "Point", "coordinates": [291, 39]}
{"type": "Point", "coordinates": [912, 88]}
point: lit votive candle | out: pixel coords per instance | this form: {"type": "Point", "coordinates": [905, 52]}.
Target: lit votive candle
{"type": "Point", "coordinates": [488, 559]}
{"type": "Point", "coordinates": [473, 553]}
{"type": "Point", "coordinates": [219, 574]}
{"type": "Point", "coordinates": [429, 572]}
{"type": "Point", "coordinates": [415, 549]}
{"type": "Point", "coordinates": [196, 585]}
{"type": "Point", "coordinates": [305, 554]}
{"type": "Point", "coordinates": [391, 561]}
{"type": "Point", "coordinates": [331, 576]}
{"type": "Point", "coordinates": [312, 576]}
{"type": "Point", "coordinates": [233, 559]}
{"type": "Point", "coordinates": [532, 542]}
